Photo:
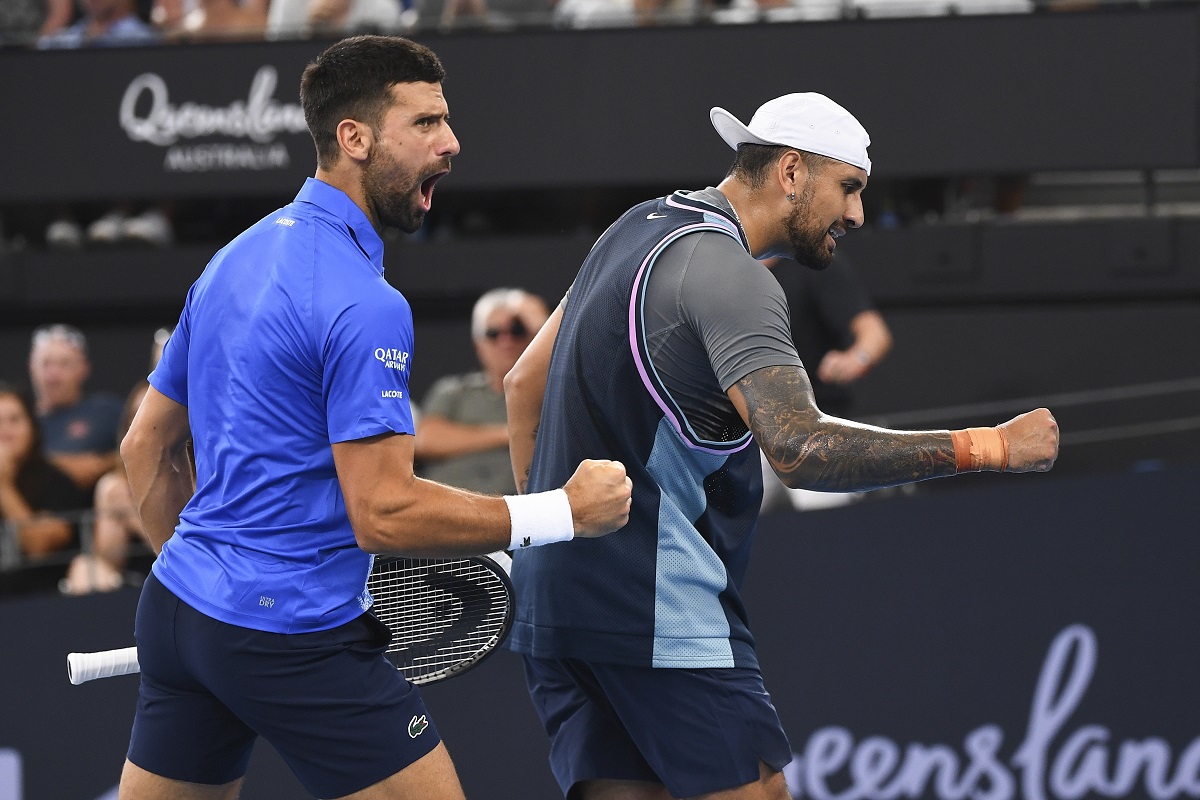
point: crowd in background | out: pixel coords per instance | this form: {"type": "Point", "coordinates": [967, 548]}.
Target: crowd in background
{"type": "Point", "coordinates": [66, 512]}
{"type": "Point", "coordinates": [51, 24]}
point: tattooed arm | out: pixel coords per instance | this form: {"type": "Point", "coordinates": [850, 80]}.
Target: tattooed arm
{"type": "Point", "coordinates": [811, 450]}
{"type": "Point", "coordinates": [524, 387]}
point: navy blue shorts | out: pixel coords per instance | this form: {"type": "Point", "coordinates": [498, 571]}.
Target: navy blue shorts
{"type": "Point", "coordinates": [337, 711]}
{"type": "Point", "coordinates": [693, 730]}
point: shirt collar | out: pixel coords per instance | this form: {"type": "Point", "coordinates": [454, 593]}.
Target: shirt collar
{"type": "Point", "coordinates": [339, 204]}
{"type": "Point", "coordinates": [712, 196]}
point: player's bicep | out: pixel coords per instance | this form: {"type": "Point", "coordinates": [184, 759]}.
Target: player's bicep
{"type": "Point", "coordinates": [170, 374]}
{"type": "Point", "coordinates": [778, 407]}
{"type": "Point", "coordinates": [528, 375]}
{"type": "Point", "coordinates": [160, 420]}
{"type": "Point", "coordinates": [524, 390]}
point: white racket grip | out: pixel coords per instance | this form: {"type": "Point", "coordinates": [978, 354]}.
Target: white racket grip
{"type": "Point", "coordinates": [83, 667]}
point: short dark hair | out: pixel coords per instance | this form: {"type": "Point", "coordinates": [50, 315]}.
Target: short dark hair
{"type": "Point", "coordinates": [353, 78]}
{"type": "Point", "coordinates": [753, 161]}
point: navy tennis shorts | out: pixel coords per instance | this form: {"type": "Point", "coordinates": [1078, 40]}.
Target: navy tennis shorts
{"type": "Point", "coordinates": [695, 731]}
{"type": "Point", "coordinates": [337, 711]}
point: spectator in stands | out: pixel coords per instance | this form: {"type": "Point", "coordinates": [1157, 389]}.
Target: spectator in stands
{"type": "Point", "coordinates": [115, 523]}
{"type": "Point", "coordinates": [654, 12]}
{"type": "Point", "coordinates": [167, 15]}
{"type": "Point", "coordinates": [840, 337]}
{"type": "Point", "coordinates": [126, 224]}
{"type": "Point", "coordinates": [594, 13]}
{"type": "Point", "coordinates": [220, 20]}
{"type": "Point", "coordinates": [839, 334]}
{"type": "Point", "coordinates": [303, 18]}
{"type": "Point", "coordinates": [455, 10]}
{"type": "Point", "coordinates": [462, 436]}
{"type": "Point", "coordinates": [23, 22]}
{"type": "Point", "coordinates": [105, 23]}
{"type": "Point", "coordinates": [80, 429]}
{"type": "Point", "coordinates": [31, 488]}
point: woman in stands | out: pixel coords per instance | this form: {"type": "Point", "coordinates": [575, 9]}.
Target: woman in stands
{"type": "Point", "coordinates": [32, 490]}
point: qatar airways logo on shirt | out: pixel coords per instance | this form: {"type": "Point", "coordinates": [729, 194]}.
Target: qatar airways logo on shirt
{"type": "Point", "coordinates": [392, 358]}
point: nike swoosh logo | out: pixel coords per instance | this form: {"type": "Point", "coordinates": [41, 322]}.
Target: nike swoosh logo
{"type": "Point", "coordinates": [656, 216]}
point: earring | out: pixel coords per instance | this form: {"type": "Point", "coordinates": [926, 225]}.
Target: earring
{"type": "Point", "coordinates": [792, 197]}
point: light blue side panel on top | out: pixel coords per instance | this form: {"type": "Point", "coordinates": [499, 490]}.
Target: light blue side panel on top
{"type": "Point", "coordinates": [690, 628]}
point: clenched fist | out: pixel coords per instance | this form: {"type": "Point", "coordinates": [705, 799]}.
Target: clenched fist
{"type": "Point", "coordinates": [1032, 441]}
{"type": "Point", "coordinates": [601, 494]}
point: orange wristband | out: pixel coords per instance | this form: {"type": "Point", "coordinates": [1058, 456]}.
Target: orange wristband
{"type": "Point", "coordinates": [980, 449]}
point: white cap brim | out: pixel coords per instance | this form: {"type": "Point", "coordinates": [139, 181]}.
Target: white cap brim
{"type": "Point", "coordinates": [732, 130]}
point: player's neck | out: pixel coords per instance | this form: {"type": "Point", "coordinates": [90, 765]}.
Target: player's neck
{"type": "Point", "coordinates": [751, 214]}
{"type": "Point", "coordinates": [348, 181]}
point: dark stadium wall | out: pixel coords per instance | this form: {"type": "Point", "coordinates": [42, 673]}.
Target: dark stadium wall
{"type": "Point", "coordinates": [1024, 639]}
{"type": "Point", "coordinates": [609, 107]}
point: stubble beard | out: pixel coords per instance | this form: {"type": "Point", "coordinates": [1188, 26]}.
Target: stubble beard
{"type": "Point", "coordinates": [392, 208]}
{"type": "Point", "coordinates": [806, 235]}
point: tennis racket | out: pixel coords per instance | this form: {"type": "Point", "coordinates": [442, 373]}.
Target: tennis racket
{"type": "Point", "coordinates": [446, 615]}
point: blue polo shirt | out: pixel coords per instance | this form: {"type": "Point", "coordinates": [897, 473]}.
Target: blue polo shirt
{"type": "Point", "coordinates": [290, 340]}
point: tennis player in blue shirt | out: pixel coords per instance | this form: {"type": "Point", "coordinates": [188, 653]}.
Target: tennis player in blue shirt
{"type": "Point", "coordinates": [289, 372]}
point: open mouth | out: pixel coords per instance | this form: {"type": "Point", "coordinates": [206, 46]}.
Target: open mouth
{"type": "Point", "coordinates": [835, 233]}
{"type": "Point", "coordinates": [427, 188]}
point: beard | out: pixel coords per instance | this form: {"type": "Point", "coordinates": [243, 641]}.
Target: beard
{"type": "Point", "coordinates": [805, 234]}
{"type": "Point", "coordinates": [392, 207]}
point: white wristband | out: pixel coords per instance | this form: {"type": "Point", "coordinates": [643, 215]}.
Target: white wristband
{"type": "Point", "coordinates": [539, 518]}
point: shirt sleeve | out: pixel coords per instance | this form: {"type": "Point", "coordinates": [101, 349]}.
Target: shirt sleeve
{"type": "Point", "coordinates": [367, 357]}
{"type": "Point", "coordinates": [170, 375]}
{"type": "Point", "coordinates": [737, 309]}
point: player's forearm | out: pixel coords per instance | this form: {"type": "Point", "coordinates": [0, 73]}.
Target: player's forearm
{"type": "Point", "coordinates": [836, 455]}
{"type": "Point", "coordinates": [524, 390]}
{"type": "Point", "coordinates": [811, 450]}
{"type": "Point", "coordinates": [161, 482]}
{"type": "Point", "coordinates": [417, 517]}
{"type": "Point", "coordinates": [524, 414]}
{"type": "Point", "coordinates": [438, 437]}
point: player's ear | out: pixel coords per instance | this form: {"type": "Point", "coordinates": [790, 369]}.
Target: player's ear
{"type": "Point", "coordinates": [355, 139]}
{"type": "Point", "coordinates": [790, 172]}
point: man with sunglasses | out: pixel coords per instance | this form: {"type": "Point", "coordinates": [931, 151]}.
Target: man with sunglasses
{"type": "Point", "coordinates": [462, 435]}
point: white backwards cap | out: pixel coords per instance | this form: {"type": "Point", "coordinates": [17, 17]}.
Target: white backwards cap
{"type": "Point", "coordinates": [806, 121]}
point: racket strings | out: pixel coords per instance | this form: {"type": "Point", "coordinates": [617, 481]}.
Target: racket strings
{"type": "Point", "coordinates": [443, 614]}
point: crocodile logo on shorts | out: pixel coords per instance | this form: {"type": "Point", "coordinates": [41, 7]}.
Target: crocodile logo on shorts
{"type": "Point", "coordinates": [417, 726]}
